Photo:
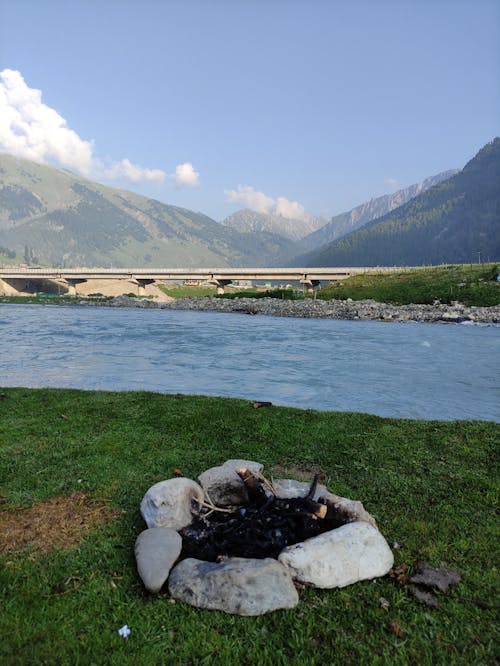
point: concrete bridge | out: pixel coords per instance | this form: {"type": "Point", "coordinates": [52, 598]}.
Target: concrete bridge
{"type": "Point", "coordinates": [14, 280]}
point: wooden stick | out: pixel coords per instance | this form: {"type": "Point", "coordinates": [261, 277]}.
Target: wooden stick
{"type": "Point", "coordinates": [209, 504]}
{"type": "Point", "coordinates": [267, 483]}
{"type": "Point", "coordinates": [249, 478]}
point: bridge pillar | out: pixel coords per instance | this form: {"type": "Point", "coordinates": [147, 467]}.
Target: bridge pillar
{"type": "Point", "coordinates": [221, 283]}
{"type": "Point", "coordinates": [12, 287]}
{"type": "Point", "coordinates": [310, 285]}
{"type": "Point", "coordinates": [142, 283]}
{"type": "Point", "coordinates": [70, 284]}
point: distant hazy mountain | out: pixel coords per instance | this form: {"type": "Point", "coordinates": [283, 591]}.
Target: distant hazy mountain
{"type": "Point", "coordinates": [345, 223]}
{"type": "Point", "coordinates": [54, 217]}
{"type": "Point", "coordinates": [456, 221]}
{"type": "Point", "coordinates": [247, 221]}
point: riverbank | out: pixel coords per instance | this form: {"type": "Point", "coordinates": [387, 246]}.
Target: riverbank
{"type": "Point", "coordinates": [75, 465]}
{"type": "Point", "coordinates": [332, 309]}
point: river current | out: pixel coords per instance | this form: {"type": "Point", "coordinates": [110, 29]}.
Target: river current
{"type": "Point", "coordinates": [407, 370]}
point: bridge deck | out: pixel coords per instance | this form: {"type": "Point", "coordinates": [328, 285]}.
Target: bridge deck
{"type": "Point", "coordinates": [191, 273]}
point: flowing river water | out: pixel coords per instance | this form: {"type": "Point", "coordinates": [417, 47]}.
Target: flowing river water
{"type": "Point", "coordinates": [407, 370]}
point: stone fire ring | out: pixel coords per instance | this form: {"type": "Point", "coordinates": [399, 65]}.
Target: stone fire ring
{"type": "Point", "coordinates": [353, 552]}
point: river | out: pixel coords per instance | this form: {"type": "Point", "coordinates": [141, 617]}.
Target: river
{"type": "Point", "coordinates": [407, 370]}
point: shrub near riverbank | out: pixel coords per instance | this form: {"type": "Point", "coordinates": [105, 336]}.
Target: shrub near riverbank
{"type": "Point", "coordinates": [65, 592]}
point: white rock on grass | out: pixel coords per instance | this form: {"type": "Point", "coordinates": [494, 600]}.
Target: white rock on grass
{"type": "Point", "coordinates": [350, 510]}
{"type": "Point", "coordinates": [156, 551]}
{"type": "Point", "coordinates": [224, 486]}
{"type": "Point", "coordinates": [290, 488]}
{"type": "Point", "coordinates": [356, 551]}
{"type": "Point", "coordinates": [238, 585]}
{"type": "Point", "coordinates": [172, 503]}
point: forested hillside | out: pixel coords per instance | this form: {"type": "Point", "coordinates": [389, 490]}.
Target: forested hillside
{"type": "Point", "coordinates": [346, 223]}
{"type": "Point", "coordinates": [456, 221]}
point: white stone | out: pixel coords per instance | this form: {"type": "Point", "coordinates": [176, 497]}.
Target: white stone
{"type": "Point", "coordinates": [236, 463]}
{"type": "Point", "coordinates": [156, 551]}
{"type": "Point", "coordinates": [172, 503]}
{"type": "Point", "coordinates": [238, 585]}
{"type": "Point", "coordinates": [356, 551]}
{"type": "Point", "coordinates": [223, 486]}
{"type": "Point", "coordinates": [349, 510]}
{"type": "Point", "coordinates": [290, 488]}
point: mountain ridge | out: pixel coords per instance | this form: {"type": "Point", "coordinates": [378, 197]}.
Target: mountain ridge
{"type": "Point", "coordinates": [355, 218]}
{"type": "Point", "coordinates": [451, 222]}
{"type": "Point", "coordinates": [53, 216]}
{"type": "Point", "coordinates": [246, 221]}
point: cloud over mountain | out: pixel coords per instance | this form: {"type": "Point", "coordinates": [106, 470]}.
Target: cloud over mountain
{"type": "Point", "coordinates": [31, 129]}
{"type": "Point", "coordinates": [262, 203]}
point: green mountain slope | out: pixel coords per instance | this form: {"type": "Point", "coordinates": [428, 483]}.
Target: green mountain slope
{"type": "Point", "coordinates": [53, 217]}
{"type": "Point", "coordinates": [354, 219]}
{"type": "Point", "coordinates": [456, 221]}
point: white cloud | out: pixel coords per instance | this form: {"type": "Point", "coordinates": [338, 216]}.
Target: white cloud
{"type": "Point", "coordinates": [251, 198]}
{"type": "Point", "coordinates": [291, 209]}
{"type": "Point", "coordinates": [262, 203]}
{"type": "Point", "coordinates": [391, 181]}
{"type": "Point", "coordinates": [125, 169]}
{"type": "Point", "coordinates": [186, 176]}
{"type": "Point", "coordinates": [31, 129]}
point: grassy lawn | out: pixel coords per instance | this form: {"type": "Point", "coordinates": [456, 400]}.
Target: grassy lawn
{"type": "Point", "coordinates": [66, 589]}
{"type": "Point", "coordinates": [470, 284]}
{"type": "Point", "coordinates": [186, 291]}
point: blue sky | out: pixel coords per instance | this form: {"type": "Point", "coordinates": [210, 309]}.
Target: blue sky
{"type": "Point", "coordinates": [302, 106]}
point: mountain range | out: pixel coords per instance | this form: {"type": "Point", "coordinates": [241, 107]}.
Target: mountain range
{"type": "Point", "coordinates": [455, 221]}
{"type": "Point", "coordinates": [250, 221]}
{"type": "Point", "coordinates": [53, 217]}
{"type": "Point", "coordinates": [354, 219]}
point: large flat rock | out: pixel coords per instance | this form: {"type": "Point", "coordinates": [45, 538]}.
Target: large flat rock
{"type": "Point", "coordinates": [237, 585]}
{"type": "Point", "coordinates": [353, 552]}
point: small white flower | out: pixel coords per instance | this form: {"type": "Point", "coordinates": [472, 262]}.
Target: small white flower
{"type": "Point", "coordinates": [124, 631]}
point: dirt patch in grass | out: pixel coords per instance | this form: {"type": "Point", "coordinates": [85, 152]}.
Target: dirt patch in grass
{"type": "Point", "coordinates": [59, 522]}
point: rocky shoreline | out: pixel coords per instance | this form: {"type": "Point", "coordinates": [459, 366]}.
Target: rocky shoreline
{"type": "Point", "coordinates": [334, 309]}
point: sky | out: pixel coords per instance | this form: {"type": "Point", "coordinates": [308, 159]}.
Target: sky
{"type": "Point", "coordinates": [293, 107]}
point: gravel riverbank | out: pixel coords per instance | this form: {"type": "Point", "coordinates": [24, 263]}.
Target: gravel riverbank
{"type": "Point", "coordinates": [362, 310]}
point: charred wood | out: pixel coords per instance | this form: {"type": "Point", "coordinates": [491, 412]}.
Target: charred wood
{"type": "Point", "coordinates": [262, 528]}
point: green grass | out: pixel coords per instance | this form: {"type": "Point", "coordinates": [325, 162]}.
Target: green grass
{"type": "Point", "coordinates": [186, 291]}
{"type": "Point", "coordinates": [40, 299]}
{"type": "Point", "coordinates": [51, 299]}
{"type": "Point", "coordinates": [431, 485]}
{"type": "Point", "coordinates": [470, 284]}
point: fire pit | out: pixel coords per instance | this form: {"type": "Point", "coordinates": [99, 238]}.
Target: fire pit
{"type": "Point", "coordinates": [238, 541]}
